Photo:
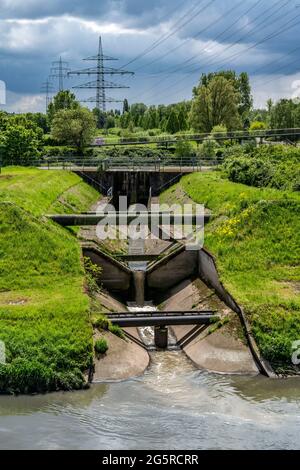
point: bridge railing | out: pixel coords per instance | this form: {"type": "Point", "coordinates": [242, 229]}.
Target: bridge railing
{"type": "Point", "coordinates": [194, 163]}
{"type": "Point", "coordinates": [288, 133]}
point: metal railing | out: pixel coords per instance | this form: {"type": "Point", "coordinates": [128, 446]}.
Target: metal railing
{"type": "Point", "coordinates": [80, 164]}
{"type": "Point", "coordinates": [108, 141]}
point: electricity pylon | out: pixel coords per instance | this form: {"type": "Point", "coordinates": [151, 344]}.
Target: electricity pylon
{"type": "Point", "coordinates": [47, 88]}
{"type": "Point", "coordinates": [60, 70]}
{"type": "Point", "coordinates": [100, 84]}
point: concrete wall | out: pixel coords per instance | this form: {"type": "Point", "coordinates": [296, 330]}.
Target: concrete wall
{"type": "Point", "coordinates": [172, 271]}
{"type": "Point", "coordinates": [131, 183]}
{"type": "Point", "coordinates": [114, 277]}
{"type": "Point", "coordinates": [209, 274]}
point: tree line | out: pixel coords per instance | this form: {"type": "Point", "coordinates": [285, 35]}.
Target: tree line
{"type": "Point", "coordinates": [221, 101]}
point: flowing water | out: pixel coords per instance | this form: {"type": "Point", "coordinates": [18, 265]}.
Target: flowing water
{"type": "Point", "coordinates": [172, 406]}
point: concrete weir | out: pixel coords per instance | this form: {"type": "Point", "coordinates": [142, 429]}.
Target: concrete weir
{"type": "Point", "coordinates": [193, 286]}
{"type": "Point", "coordinates": [207, 323]}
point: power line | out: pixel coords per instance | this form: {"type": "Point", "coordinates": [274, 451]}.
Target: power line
{"type": "Point", "coordinates": [189, 39]}
{"type": "Point", "coordinates": [265, 39]}
{"type": "Point", "coordinates": [254, 29]}
{"type": "Point", "coordinates": [277, 70]}
{"type": "Point", "coordinates": [201, 32]}
{"type": "Point", "coordinates": [165, 36]}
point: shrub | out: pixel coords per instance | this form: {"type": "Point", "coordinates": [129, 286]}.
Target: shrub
{"type": "Point", "coordinates": [19, 146]}
{"type": "Point", "coordinates": [101, 322]}
{"type": "Point", "coordinates": [218, 131]}
{"type": "Point", "coordinates": [275, 166]}
{"type": "Point", "coordinates": [250, 171]}
{"type": "Point", "coordinates": [93, 275]}
{"type": "Point", "coordinates": [208, 149]}
{"type": "Point", "coordinates": [257, 126]}
{"type": "Point", "coordinates": [101, 346]}
{"type": "Point", "coordinates": [183, 149]}
{"type": "Point", "coordinates": [58, 151]}
{"type": "Point", "coordinates": [116, 330]}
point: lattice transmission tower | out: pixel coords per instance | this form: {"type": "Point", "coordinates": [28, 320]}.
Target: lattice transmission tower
{"type": "Point", "coordinates": [100, 84]}
{"type": "Point", "coordinates": [60, 70]}
{"type": "Point", "coordinates": [47, 88]}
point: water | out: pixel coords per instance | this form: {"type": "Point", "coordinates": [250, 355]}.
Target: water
{"type": "Point", "coordinates": [139, 286]}
{"type": "Point", "coordinates": [172, 406]}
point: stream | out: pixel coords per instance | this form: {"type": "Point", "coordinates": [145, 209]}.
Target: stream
{"type": "Point", "coordinates": [172, 406]}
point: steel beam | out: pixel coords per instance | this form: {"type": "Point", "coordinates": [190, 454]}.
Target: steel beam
{"type": "Point", "coordinates": [126, 218]}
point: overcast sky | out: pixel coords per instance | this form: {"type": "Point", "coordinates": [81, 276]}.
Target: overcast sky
{"type": "Point", "coordinates": [184, 39]}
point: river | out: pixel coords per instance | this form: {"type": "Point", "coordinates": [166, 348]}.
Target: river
{"type": "Point", "coordinates": [172, 406]}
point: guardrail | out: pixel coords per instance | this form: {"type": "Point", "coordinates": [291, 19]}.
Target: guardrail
{"type": "Point", "coordinates": [198, 137]}
{"type": "Point", "coordinates": [194, 163]}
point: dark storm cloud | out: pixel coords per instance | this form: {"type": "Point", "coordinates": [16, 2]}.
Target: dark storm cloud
{"type": "Point", "coordinates": [33, 33]}
{"type": "Point", "coordinates": [141, 11]}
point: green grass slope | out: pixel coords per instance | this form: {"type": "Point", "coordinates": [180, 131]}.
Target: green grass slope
{"type": "Point", "coordinates": [255, 237]}
{"type": "Point", "coordinates": [44, 311]}
{"type": "Point", "coordinates": [43, 192]}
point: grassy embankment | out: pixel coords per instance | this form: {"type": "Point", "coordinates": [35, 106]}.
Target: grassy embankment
{"type": "Point", "coordinates": [44, 312]}
{"type": "Point", "coordinates": [255, 237]}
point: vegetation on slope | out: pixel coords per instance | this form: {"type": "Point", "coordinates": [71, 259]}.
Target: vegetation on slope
{"type": "Point", "coordinates": [44, 312]}
{"type": "Point", "coordinates": [277, 166]}
{"type": "Point", "coordinates": [255, 237]}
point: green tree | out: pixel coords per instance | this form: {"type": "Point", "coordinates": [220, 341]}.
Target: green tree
{"type": "Point", "coordinates": [125, 120]}
{"type": "Point", "coordinates": [283, 114]}
{"type": "Point", "coordinates": [125, 106]}
{"type": "Point", "coordinates": [19, 145]}
{"type": "Point", "coordinates": [110, 122]}
{"type": "Point", "coordinates": [218, 131]}
{"type": "Point", "coordinates": [137, 111]}
{"type": "Point", "coordinates": [246, 99]}
{"type": "Point", "coordinates": [4, 119]}
{"type": "Point", "coordinates": [63, 100]}
{"type": "Point", "coordinates": [182, 120]}
{"type": "Point", "coordinates": [183, 149]}
{"type": "Point", "coordinates": [208, 150]}
{"type": "Point", "coordinates": [74, 127]}
{"type": "Point", "coordinates": [100, 118]}
{"type": "Point", "coordinates": [172, 125]}
{"type": "Point", "coordinates": [215, 104]}
{"type": "Point", "coordinates": [241, 84]}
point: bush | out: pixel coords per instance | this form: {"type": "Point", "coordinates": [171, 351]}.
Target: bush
{"type": "Point", "coordinates": [19, 146]}
{"type": "Point", "coordinates": [183, 149]}
{"type": "Point", "coordinates": [93, 275]}
{"type": "Point", "coordinates": [218, 131]}
{"type": "Point", "coordinates": [134, 153]}
{"type": "Point", "coordinates": [101, 322]}
{"type": "Point", "coordinates": [275, 166]}
{"type": "Point", "coordinates": [257, 126]}
{"type": "Point", "coordinates": [250, 171]}
{"type": "Point", "coordinates": [208, 149]}
{"type": "Point", "coordinates": [59, 151]}
{"type": "Point", "coordinates": [116, 330]}
{"type": "Point", "coordinates": [101, 346]}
